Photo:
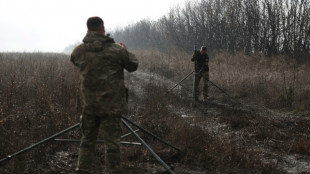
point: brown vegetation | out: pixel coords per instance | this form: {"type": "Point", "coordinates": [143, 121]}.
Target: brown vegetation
{"type": "Point", "coordinates": [37, 99]}
{"type": "Point", "coordinates": [274, 82]}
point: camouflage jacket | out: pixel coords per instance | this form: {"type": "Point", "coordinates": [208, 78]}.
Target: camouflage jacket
{"type": "Point", "coordinates": [201, 60]}
{"type": "Point", "coordinates": [101, 63]}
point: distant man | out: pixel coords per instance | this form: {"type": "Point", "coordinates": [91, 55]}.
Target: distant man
{"type": "Point", "coordinates": [201, 60]}
{"type": "Point", "coordinates": [101, 63]}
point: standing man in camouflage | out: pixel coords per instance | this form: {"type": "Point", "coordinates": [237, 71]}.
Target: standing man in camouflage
{"type": "Point", "coordinates": [201, 60]}
{"type": "Point", "coordinates": [101, 63]}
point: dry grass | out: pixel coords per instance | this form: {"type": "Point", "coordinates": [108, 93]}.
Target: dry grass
{"type": "Point", "coordinates": [202, 151]}
{"type": "Point", "coordinates": [37, 99]}
{"type": "Point", "coordinates": [275, 82]}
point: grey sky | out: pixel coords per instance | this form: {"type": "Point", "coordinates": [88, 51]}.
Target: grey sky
{"type": "Point", "coordinates": [51, 25]}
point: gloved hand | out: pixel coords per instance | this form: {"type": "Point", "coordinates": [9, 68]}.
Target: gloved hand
{"type": "Point", "coordinates": [205, 68]}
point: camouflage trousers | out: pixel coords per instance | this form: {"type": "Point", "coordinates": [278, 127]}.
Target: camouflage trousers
{"type": "Point", "coordinates": [205, 89]}
{"type": "Point", "coordinates": [112, 135]}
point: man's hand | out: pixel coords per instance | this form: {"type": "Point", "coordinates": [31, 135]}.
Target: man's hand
{"type": "Point", "coordinates": [123, 45]}
{"type": "Point", "coordinates": [205, 68]}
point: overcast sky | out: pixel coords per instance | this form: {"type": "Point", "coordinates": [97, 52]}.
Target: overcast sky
{"type": "Point", "coordinates": [52, 25]}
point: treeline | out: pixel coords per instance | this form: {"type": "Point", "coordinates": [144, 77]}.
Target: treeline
{"type": "Point", "coordinates": [267, 27]}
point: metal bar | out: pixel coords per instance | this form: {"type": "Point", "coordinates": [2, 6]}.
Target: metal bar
{"type": "Point", "coordinates": [148, 148]}
{"type": "Point", "coordinates": [148, 132]}
{"type": "Point", "coordinates": [194, 80]}
{"type": "Point", "coordinates": [217, 86]}
{"type": "Point", "coordinates": [126, 135]}
{"type": "Point", "coordinates": [131, 143]}
{"type": "Point", "coordinates": [98, 141]}
{"type": "Point", "coordinates": [38, 143]}
{"type": "Point", "coordinates": [182, 80]}
{"type": "Point", "coordinates": [194, 89]}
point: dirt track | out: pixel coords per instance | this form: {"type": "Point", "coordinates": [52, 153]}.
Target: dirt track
{"type": "Point", "coordinates": [277, 137]}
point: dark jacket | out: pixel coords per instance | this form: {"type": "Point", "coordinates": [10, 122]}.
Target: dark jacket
{"type": "Point", "coordinates": [202, 60]}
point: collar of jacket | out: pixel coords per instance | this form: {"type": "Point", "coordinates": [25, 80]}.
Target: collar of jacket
{"type": "Point", "coordinates": [92, 36]}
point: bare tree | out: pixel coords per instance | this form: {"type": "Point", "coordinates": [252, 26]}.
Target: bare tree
{"type": "Point", "coordinates": [254, 26]}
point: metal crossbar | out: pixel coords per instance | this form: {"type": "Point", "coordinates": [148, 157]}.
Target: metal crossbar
{"type": "Point", "coordinates": [148, 148]}
{"type": "Point", "coordinates": [148, 132]}
{"type": "Point", "coordinates": [38, 143]}
{"type": "Point", "coordinates": [100, 141]}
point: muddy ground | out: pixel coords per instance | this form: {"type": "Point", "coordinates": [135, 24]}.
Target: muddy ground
{"type": "Point", "coordinates": [243, 137]}
{"type": "Point", "coordinates": [275, 137]}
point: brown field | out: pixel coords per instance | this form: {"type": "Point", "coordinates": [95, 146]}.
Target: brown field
{"type": "Point", "coordinates": [38, 99]}
{"type": "Point", "coordinates": [274, 82]}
